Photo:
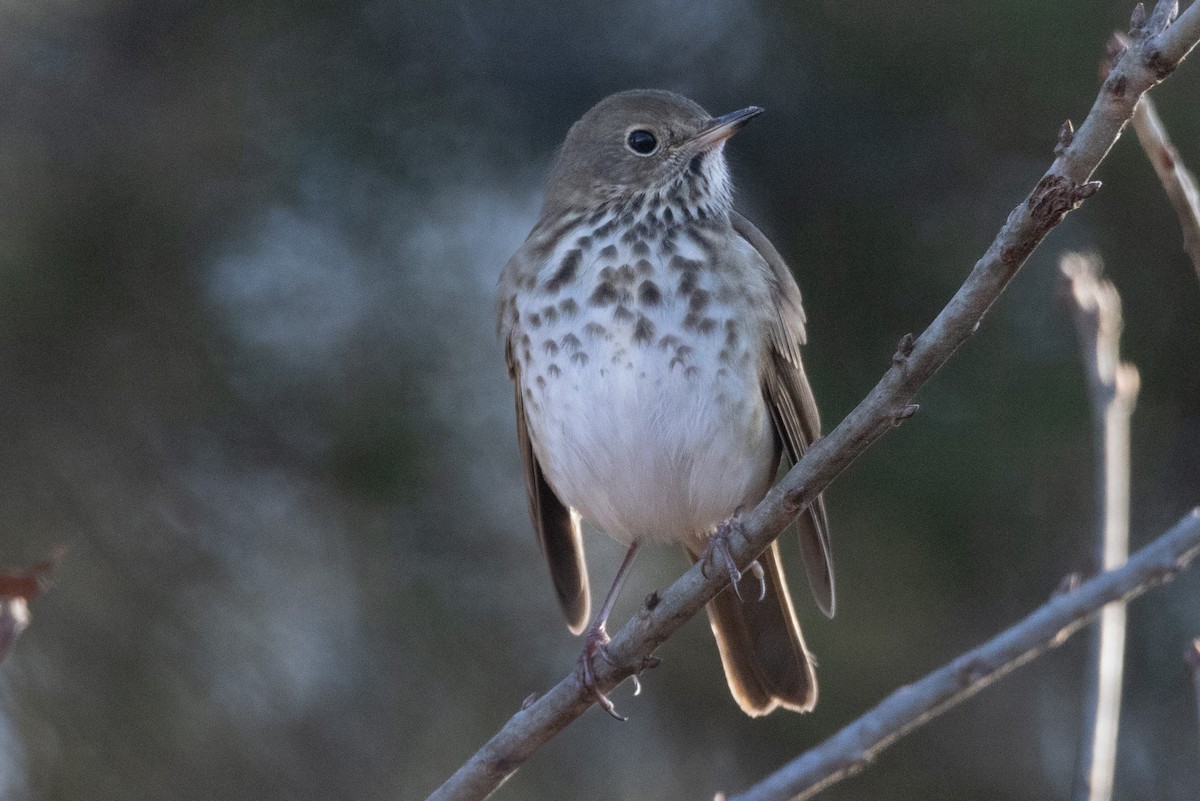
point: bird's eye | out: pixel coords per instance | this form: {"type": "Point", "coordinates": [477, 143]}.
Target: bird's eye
{"type": "Point", "coordinates": [642, 142]}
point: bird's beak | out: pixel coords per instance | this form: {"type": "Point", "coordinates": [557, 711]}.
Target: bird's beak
{"type": "Point", "coordinates": [721, 128]}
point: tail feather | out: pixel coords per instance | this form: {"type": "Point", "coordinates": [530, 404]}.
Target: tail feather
{"type": "Point", "coordinates": [766, 663]}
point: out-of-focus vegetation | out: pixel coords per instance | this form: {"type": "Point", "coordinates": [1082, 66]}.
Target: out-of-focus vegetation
{"type": "Point", "coordinates": [248, 378]}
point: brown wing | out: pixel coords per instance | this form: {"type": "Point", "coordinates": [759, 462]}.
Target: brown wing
{"type": "Point", "coordinates": [556, 528]}
{"type": "Point", "coordinates": [793, 407]}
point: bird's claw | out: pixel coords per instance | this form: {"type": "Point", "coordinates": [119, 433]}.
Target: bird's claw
{"type": "Point", "coordinates": [718, 548]}
{"type": "Point", "coordinates": [594, 646]}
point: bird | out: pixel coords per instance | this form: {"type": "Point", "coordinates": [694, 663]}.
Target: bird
{"type": "Point", "coordinates": [652, 334]}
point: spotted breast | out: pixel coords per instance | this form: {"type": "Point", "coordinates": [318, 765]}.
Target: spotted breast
{"type": "Point", "coordinates": [640, 377]}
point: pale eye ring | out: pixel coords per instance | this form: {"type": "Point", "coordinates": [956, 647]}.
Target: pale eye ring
{"type": "Point", "coordinates": [641, 142]}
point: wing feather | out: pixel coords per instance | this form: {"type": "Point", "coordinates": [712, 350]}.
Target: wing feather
{"type": "Point", "coordinates": [793, 407]}
{"type": "Point", "coordinates": [556, 526]}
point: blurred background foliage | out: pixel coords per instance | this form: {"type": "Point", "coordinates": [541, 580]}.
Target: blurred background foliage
{"type": "Point", "coordinates": [248, 377]}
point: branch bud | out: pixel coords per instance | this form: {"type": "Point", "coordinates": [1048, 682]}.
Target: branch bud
{"type": "Point", "coordinates": [1137, 20]}
{"type": "Point", "coordinates": [1163, 15]}
{"type": "Point", "coordinates": [1066, 135]}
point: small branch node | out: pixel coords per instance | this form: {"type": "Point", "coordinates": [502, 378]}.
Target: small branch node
{"type": "Point", "coordinates": [1056, 195]}
{"type": "Point", "coordinates": [649, 663]}
{"type": "Point", "coordinates": [793, 501]}
{"type": "Point", "coordinates": [905, 413]}
{"type": "Point", "coordinates": [652, 600]}
{"type": "Point", "coordinates": [1084, 191]}
{"type": "Point", "coordinates": [904, 349]}
{"type": "Point", "coordinates": [1128, 381]}
{"type": "Point", "coordinates": [1158, 64]}
{"type": "Point", "coordinates": [1011, 256]}
{"type": "Point", "coordinates": [1049, 200]}
{"type": "Point", "coordinates": [501, 767]}
{"type": "Point", "coordinates": [970, 672]}
{"type": "Point", "coordinates": [1066, 135]}
{"type": "Point", "coordinates": [1068, 585]}
{"type": "Point", "coordinates": [1117, 44]}
{"type": "Point", "coordinates": [529, 699]}
{"type": "Point", "coordinates": [1116, 86]}
{"type": "Point", "coordinates": [1137, 20]}
{"type": "Point", "coordinates": [1114, 48]}
{"type": "Point", "coordinates": [1164, 14]}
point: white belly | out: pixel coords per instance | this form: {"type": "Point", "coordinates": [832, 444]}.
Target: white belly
{"type": "Point", "coordinates": [646, 409]}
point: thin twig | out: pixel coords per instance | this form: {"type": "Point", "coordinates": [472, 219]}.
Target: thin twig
{"type": "Point", "coordinates": [852, 748]}
{"type": "Point", "coordinates": [1113, 390]}
{"type": "Point", "coordinates": [1178, 182]}
{"type": "Point", "coordinates": [1064, 186]}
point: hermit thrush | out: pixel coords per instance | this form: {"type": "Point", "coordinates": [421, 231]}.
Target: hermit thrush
{"type": "Point", "coordinates": [653, 335]}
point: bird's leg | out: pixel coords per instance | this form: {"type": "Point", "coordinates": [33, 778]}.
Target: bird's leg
{"type": "Point", "coordinates": [718, 549]}
{"type": "Point", "coordinates": [596, 638]}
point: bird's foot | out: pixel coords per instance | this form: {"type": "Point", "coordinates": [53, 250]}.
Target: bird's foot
{"type": "Point", "coordinates": [595, 645]}
{"type": "Point", "coordinates": [718, 550]}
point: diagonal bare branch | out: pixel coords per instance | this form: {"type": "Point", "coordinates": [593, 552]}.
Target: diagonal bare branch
{"type": "Point", "coordinates": [1177, 180]}
{"type": "Point", "coordinates": [1064, 186]}
{"type": "Point", "coordinates": [852, 748]}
